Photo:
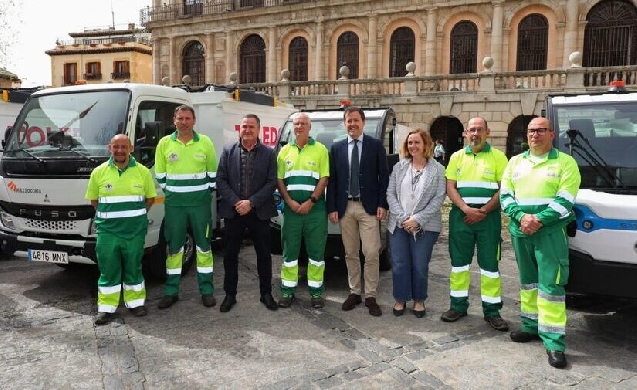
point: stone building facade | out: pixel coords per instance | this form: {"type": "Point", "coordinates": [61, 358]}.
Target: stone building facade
{"type": "Point", "coordinates": [103, 55]}
{"type": "Point", "coordinates": [446, 42]}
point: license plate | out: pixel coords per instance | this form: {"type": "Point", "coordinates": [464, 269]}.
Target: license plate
{"type": "Point", "coordinates": [48, 256]}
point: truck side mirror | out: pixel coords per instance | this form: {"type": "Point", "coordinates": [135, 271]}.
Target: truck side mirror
{"type": "Point", "coordinates": [7, 133]}
{"type": "Point", "coordinates": [153, 133]}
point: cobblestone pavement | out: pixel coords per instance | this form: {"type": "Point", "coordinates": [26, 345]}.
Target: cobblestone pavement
{"type": "Point", "coordinates": [48, 341]}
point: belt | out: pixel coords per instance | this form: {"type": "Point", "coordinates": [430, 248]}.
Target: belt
{"type": "Point", "coordinates": [354, 198]}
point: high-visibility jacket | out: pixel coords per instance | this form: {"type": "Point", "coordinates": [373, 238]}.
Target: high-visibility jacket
{"type": "Point", "coordinates": [476, 175]}
{"type": "Point", "coordinates": [186, 172]}
{"type": "Point", "coordinates": [121, 197]}
{"type": "Point", "coordinates": [544, 186]}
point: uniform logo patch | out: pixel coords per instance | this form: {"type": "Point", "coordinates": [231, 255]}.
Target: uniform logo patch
{"type": "Point", "coordinates": [288, 163]}
{"type": "Point", "coordinates": [172, 157]}
{"type": "Point", "coordinates": [108, 187]}
{"type": "Point", "coordinates": [311, 163]}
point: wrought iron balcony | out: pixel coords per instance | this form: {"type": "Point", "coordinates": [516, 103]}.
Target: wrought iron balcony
{"type": "Point", "coordinates": [120, 75]}
{"type": "Point", "coordinates": [170, 12]}
{"type": "Point", "coordinates": [92, 76]}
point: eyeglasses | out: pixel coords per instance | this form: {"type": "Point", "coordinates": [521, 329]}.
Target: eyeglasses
{"type": "Point", "coordinates": [540, 131]}
{"type": "Point", "coordinates": [475, 130]}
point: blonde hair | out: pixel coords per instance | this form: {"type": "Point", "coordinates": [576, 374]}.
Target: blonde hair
{"type": "Point", "coordinates": [428, 144]}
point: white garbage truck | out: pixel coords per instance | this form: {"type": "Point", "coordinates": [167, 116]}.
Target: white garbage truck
{"type": "Point", "coordinates": [62, 134]}
{"type": "Point", "coordinates": [600, 131]}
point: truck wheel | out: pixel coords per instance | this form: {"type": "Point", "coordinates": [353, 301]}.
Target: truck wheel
{"type": "Point", "coordinates": [275, 241]}
{"type": "Point", "coordinates": [384, 259]}
{"type": "Point", "coordinates": [156, 262]}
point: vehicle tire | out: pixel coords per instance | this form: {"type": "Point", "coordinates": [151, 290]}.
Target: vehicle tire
{"type": "Point", "coordinates": [275, 241]}
{"type": "Point", "coordinates": [155, 263]}
{"type": "Point", "coordinates": [384, 259]}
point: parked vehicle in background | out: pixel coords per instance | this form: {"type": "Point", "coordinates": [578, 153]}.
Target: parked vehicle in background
{"type": "Point", "coordinates": [62, 134]}
{"type": "Point", "coordinates": [600, 131]}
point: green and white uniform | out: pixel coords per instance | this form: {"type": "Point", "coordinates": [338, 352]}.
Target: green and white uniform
{"type": "Point", "coordinates": [544, 186]}
{"type": "Point", "coordinates": [187, 174]}
{"type": "Point", "coordinates": [301, 169]}
{"type": "Point", "coordinates": [477, 178]}
{"type": "Point", "coordinates": [121, 229]}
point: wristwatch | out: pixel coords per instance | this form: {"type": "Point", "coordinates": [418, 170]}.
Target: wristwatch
{"type": "Point", "coordinates": [313, 199]}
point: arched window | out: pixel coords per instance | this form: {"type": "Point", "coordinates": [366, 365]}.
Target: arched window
{"type": "Point", "coordinates": [252, 60]}
{"type": "Point", "coordinates": [193, 63]}
{"type": "Point", "coordinates": [347, 53]}
{"type": "Point", "coordinates": [464, 48]}
{"type": "Point", "coordinates": [402, 49]}
{"type": "Point", "coordinates": [533, 38]}
{"type": "Point", "coordinates": [297, 60]}
{"type": "Point", "coordinates": [610, 36]}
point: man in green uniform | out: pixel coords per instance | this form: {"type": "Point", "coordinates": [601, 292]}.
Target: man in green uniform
{"type": "Point", "coordinates": [122, 191]}
{"type": "Point", "coordinates": [538, 190]}
{"type": "Point", "coordinates": [185, 167]}
{"type": "Point", "coordinates": [302, 174]}
{"type": "Point", "coordinates": [473, 182]}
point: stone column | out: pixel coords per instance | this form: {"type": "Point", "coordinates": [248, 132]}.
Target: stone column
{"type": "Point", "coordinates": [210, 58]}
{"type": "Point", "coordinates": [372, 48]}
{"type": "Point", "coordinates": [430, 43]}
{"type": "Point", "coordinates": [231, 65]}
{"type": "Point", "coordinates": [157, 55]}
{"type": "Point", "coordinates": [496, 35]}
{"type": "Point", "coordinates": [175, 78]}
{"type": "Point", "coordinates": [318, 51]}
{"type": "Point", "coordinates": [271, 72]}
{"type": "Point", "coordinates": [570, 32]}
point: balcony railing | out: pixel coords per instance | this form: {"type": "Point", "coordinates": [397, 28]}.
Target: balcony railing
{"type": "Point", "coordinates": [169, 12]}
{"type": "Point", "coordinates": [575, 79]}
{"type": "Point", "coordinates": [92, 76]}
{"type": "Point", "coordinates": [120, 75]}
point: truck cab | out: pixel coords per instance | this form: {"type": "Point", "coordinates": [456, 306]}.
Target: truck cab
{"type": "Point", "coordinates": [62, 134]}
{"type": "Point", "coordinates": [600, 131]}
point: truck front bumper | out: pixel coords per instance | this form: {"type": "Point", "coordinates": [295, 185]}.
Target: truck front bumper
{"type": "Point", "coordinates": [589, 276]}
{"type": "Point", "coordinates": [79, 251]}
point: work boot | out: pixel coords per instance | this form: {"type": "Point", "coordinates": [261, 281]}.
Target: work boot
{"type": "Point", "coordinates": [167, 301]}
{"type": "Point", "coordinates": [138, 311]}
{"type": "Point", "coordinates": [556, 359]}
{"type": "Point", "coordinates": [317, 302]}
{"type": "Point", "coordinates": [286, 301]}
{"type": "Point", "coordinates": [103, 318]}
{"type": "Point", "coordinates": [519, 336]}
{"type": "Point", "coordinates": [498, 323]}
{"type": "Point", "coordinates": [208, 300]}
{"type": "Point", "coordinates": [452, 315]}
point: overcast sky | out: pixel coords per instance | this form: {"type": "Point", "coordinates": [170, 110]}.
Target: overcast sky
{"type": "Point", "coordinates": [36, 24]}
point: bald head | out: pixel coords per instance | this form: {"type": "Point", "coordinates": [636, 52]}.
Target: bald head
{"type": "Point", "coordinates": [120, 148]}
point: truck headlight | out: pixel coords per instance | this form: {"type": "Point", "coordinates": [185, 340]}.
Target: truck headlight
{"type": "Point", "coordinates": [7, 220]}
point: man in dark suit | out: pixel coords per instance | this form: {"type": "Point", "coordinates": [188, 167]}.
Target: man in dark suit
{"type": "Point", "coordinates": [246, 180]}
{"type": "Point", "coordinates": [356, 197]}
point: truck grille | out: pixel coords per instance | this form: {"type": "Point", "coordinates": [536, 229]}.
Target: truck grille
{"type": "Point", "coordinates": [50, 225]}
{"type": "Point", "coordinates": [59, 226]}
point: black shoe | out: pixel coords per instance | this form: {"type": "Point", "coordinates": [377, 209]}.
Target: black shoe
{"type": "Point", "coordinates": [208, 300]}
{"type": "Point", "coordinates": [351, 302]}
{"type": "Point", "coordinates": [103, 318]}
{"type": "Point", "coordinates": [269, 302]}
{"type": "Point", "coordinates": [398, 312]}
{"type": "Point", "coordinates": [498, 323]}
{"type": "Point", "coordinates": [286, 302]}
{"type": "Point", "coordinates": [227, 303]}
{"type": "Point", "coordinates": [557, 359]}
{"type": "Point", "coordinates": [452, 315]}
{"type": "Point", "coordinates": [317, 302]}
{"type": "Point", "coordinates": [138, 311]}
{"type": "Point", "coordinates": [167, 301]}
{"type": "Point", "coordinates": [373, 307]}
{"type": "Point", "coordinates": [519, 336]}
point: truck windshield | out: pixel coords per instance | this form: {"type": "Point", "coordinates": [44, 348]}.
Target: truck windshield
{"type": "Point", "coordinates": [602, 137]}
{"type": "Point", "coordinates": [328, 131]}
{"type": "Point", "coordinates": [68, 125]}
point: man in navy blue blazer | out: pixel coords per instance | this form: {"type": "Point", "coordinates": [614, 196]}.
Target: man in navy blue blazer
{"type": "Point", "coordinates": [356, 197]}
{"type": "Point", "coordinates": [246, 180]}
